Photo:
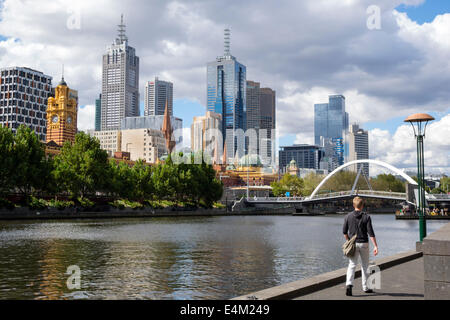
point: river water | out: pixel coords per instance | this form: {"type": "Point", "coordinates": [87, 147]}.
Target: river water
{"type": "Point", "coordinates": [179, 258]}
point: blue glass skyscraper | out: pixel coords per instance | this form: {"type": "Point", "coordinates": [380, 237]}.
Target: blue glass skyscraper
{"type": "Point", "coordinates": [331, 122]}
{"type": "Point", "coordinates": [226, 95]}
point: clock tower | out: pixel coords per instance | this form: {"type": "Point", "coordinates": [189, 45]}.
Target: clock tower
{"type": "Point", "coordinates": [62, 114]}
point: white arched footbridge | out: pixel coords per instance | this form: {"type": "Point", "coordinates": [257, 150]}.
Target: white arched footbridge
{"type": "Point", "coordinates": [369, 161]}
{"type": "Point", "coordinates": [316, 197]}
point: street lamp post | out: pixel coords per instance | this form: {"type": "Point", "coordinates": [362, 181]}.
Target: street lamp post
{"type": "Point", "coordinates": [419, 123]}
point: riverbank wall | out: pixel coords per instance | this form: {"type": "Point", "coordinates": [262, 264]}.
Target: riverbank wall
{"type": "Point", "coordinates": [107, 212]}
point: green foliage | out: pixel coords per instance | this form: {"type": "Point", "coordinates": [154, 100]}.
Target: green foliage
{"type": "Point", "coordinates": [123, 203]}
{"type": "Point", "coordinates": [288, 183]}
{"type": "Point", "coordinates": [81, 168]}
{"type": "Point", "coordinates": [436, 191]}
{"type": "Point", "coordinates": [387, 182]}
{"type": "Point", "coordinates": [85, 202]}
{"type": "Point", "coordinates": [445, 184]}
{"type": "Point", "coordinates": [7, 167]}
{"type": "Point", "coordinates": [37, 204]}
{"type": "Point", "coordinates": [60, 204]}
{"type": "Point", "coordinates": [31, 169]}
{"type": "Point", "coordinates": [311, 181]}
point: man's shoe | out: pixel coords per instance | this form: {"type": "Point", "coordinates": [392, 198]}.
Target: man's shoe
{"type": "Point", "coordinates": [348, 292]}
{"type": "Point", "coordinates": [368, 291]}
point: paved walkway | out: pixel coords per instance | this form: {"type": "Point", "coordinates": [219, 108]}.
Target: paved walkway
{"type": "Point", "coordinates": [404, 281]}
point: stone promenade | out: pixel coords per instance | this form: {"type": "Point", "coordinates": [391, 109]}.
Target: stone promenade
{"type": "Point", "coordinates": [404, 281]}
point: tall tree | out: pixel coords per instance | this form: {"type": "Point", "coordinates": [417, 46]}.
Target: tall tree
{"type": "Point", "coordinates": [7, 167]}
{"type": "Point", "coordinates": [31, 167]}
{"type": "Point", "coordinates": [288, 183]}
{"type": "Point", "coordinates": [82, 167]}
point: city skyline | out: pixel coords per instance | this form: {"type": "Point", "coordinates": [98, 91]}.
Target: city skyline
{"type": "Point", "coordinates": [296, 95]}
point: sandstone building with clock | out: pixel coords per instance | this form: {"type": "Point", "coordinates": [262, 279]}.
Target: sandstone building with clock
{"type": "Point", "coordinates": [62, 115]}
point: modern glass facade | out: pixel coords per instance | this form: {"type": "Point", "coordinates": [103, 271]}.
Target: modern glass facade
{"type": "Point", "coordinates": [306, 156]}
{"type": "Point", "coordinates": [226, 95]}
{"type": "Point", "coordinates": [331, 122]}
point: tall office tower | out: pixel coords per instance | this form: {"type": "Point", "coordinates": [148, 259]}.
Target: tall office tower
{"type": "Point", "coordinates": [261, 117]}
{"type": "Point", "coordinates": [331, 121]}
{"type": "Point", "coordinates": [120, 85]}
{"type": "Point", "coordinates": [226, 95]}
{"type": "Point", "coordinates": [24, 95]}
{"type": "Point", "coordinates": [157, 93]}
{"type": "Point", "coordinates": [253, 105]}
{"type": "Point", "coordinates": [268, 123]}
{"type": "Point", "coordinates": [200, 126]}
{"type": "Point", "coordinates": [62, 114]}
{"type": "Point", "coordinates": [358, 141]}
{"type": "Point", "coordinates": [98, 113]}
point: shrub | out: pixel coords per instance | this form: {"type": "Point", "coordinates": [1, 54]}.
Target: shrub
{"type": "Point", "coordinates": [60, 204]}
{"type": "Point", "coordinates": [85, 203]}
{"type": "Point", "coordinates": [37, 204]}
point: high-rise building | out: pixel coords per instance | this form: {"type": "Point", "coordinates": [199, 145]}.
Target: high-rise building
{"type": "Point", "coordinates": [98, 113]}
{"type": "Point", "coordinates": [200, 126]}
{"type": "Point", "coordinates": [62, 114]}
{"type": "Point", "coordinates": [226, 95]}
{"type": "Point", "coordinates": [358, 141]}
{"type": "Point", "coordinates": [261, 117]}
{"type": "Point", "coordinates": [267, 123]}
{"type": "Point", "coordinates": [331, 122]}
{"type": "Point", "coordinates": [253, 105]}
{"type": "Point", "coordinates": [305, 156]}
{"type": "Point", "coordinates": [157, 94]}
{"type": "Point", "coordinates": [120, 85]}
{"type": "Point", "coordinates": [24, 96]}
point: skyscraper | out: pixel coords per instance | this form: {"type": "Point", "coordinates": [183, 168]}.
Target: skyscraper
{"type": "Point", "coordinates": [261, 117]}
{"type": "Point", "coordinates": [358, 141]}
{"type": "Point", "coordinates": [157, 93]}
{"type": "Point", "coordinates": [226, 95]}
{"type": "Point", "coordinates": [24, 95]}
{"type": "Point", "coordinates": [253, 105]}
{"type": "Point", "coordinates": [98, 113]}
{"type": "Point", "coordinates": [331, 122]}
{"type": "Point", "coordinates": [120, 85]}
{"type": "Point", "coordinates": [268, 123]}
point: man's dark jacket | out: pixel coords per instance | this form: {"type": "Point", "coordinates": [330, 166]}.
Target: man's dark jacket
{"type": "Point", "coordinates": [365, 226]}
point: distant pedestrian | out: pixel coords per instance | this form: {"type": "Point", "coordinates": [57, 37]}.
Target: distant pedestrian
{"type": "Point", "coordinates": [360, 224]}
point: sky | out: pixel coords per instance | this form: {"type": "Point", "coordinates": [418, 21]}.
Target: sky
{"type": "Point", "coordinates": [305, 50]}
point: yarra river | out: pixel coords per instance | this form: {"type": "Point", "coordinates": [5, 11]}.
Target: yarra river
{"type": "Point", "coordinates": [179, 258]}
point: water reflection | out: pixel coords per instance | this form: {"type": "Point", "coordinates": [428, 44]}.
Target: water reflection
{"type": "Point", "coordinates": [178, 258]}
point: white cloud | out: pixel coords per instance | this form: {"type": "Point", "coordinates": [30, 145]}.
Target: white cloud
{"type": "Point", "coordinates": [399, 149]}
{"type": "Point", "coordinates": [86, 118]}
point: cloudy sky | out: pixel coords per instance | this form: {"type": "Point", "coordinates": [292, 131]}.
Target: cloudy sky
{"type": "Point", "coordinates": [305, 50]}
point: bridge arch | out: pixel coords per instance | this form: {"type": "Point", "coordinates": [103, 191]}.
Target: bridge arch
{"type": "Point", "coordinates": [370, 161]}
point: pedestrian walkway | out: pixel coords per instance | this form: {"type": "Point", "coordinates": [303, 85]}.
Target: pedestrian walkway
{"type": "Point", "coordinates": [404, 281]}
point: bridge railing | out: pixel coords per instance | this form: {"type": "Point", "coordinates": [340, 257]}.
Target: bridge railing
{"type": "Point", "coordinates": [386, 194]}
{"type": "Point", "coordinates": [438, 196]}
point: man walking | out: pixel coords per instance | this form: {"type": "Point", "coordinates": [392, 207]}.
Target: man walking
{"type": "Point", "coordinates": [359, 223]}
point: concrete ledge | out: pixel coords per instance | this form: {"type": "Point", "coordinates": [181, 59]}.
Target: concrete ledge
{"type": "Point", "coordinates": [323, 281]}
